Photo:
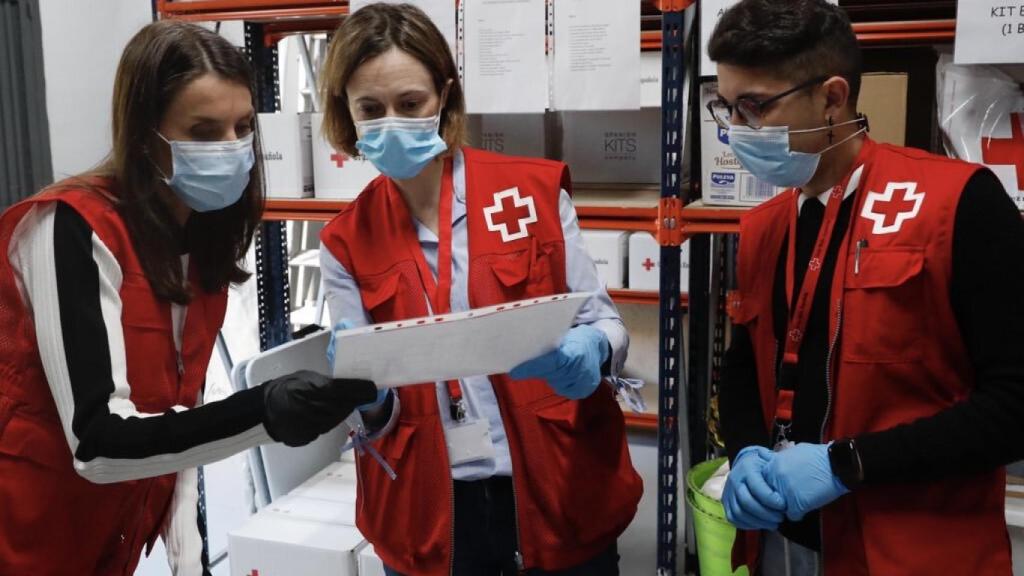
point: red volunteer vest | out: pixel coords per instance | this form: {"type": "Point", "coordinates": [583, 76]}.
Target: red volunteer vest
{"type": "Point", "coordinates": [53, 521]}
{"type": "Point", "coordinates": [898, 356]}
{"type": "Point", "coordinates": [576, 489]}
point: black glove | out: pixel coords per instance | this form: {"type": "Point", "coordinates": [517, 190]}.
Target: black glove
{"type": "Point", "coordinates": [301, 406]}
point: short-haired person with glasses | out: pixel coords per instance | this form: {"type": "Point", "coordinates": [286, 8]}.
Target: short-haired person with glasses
{"type": "Point", "coordinates": [874, 387]}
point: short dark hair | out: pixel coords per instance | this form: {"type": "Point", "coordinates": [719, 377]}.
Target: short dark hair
{"type": "Point", "coordinates": [796, 39]}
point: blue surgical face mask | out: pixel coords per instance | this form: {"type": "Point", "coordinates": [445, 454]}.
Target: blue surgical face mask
{"type": "Point", "coordinates": [209, 176]}
{"type": "Point", "coordinates": [765, 153]}
{"type": "Point", "coordinates": [400, 147]}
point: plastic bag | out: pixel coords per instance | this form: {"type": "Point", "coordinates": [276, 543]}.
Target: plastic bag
{"type": "Point", "coordinates": [981, 114]}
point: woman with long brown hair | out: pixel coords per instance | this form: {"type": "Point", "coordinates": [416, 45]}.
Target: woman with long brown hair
{"type": "Point", "coordinates": [112, 291]}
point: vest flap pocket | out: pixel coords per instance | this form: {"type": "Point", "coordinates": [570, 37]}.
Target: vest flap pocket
{"type": "Point", "coordinates": [140, 308]}
{"type": "Point", "coordinates": [884, 268]}
{"type": "Point", "coordinates": [380, 289]}
{"type": "Point", "coordinates": [511, 269]}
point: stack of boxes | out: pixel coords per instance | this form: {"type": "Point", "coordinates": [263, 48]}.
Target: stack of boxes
{"type": "Point", "coordinates": [311, 531]}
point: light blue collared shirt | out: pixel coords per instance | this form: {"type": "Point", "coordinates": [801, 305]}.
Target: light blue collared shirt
{"type": "Point", "coordinates": [345, 302]}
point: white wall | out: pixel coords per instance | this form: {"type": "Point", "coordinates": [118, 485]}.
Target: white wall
{"type": "Point", "coordinates": [82, 43]}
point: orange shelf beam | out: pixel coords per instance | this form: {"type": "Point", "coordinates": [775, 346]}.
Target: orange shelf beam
{"type": "Point", "coordinates": [890, 33]}
{"type": "Point", "coordinates": [640, 422]}
{"type": "Point", "coordinates": [302, 209]}
{"type": "Point", "coordinates": [642, 297]}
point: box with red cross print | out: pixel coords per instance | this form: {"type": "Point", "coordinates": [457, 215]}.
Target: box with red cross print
{"type": "Point", "coordinates": [645, 263]}
{"type": "Point", "coordinates": [336, 175]}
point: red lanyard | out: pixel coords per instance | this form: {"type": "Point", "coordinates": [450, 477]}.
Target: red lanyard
{"type": "Point", "coordinates": [439, 291]}
{"type": "Point", "coordinates": [800, 310]}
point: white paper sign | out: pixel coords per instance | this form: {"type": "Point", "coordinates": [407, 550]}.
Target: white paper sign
{"type": "Point", "coordinates": [989, 32]}
{"type": "Point", "coordinates": [505, 66]}
{"type": "Point", "coordinates": [478, 342]}
{"type": "Point", "coordinates": [597, 55]}
{"type": "Point", "coordinates": [441, 12]}
{"type": "Point", "coordinates": [710, 12]}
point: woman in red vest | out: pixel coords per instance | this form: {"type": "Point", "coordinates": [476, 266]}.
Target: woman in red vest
{"type": "Point", "coordinates": [111, 295]}
{"type": "Point", "coordinates": [527, 472]}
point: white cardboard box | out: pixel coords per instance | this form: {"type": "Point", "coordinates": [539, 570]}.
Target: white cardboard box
{"type": "Point", "coordinates": [724, 182]}
{"type": "Point", "coordinates": [608, 249]}
{"type": "Point", "coordinates": [650, 79]}
{"type": "Point", "coordinates": [645, 263]}
{"type": "Point", "coordinates": [513, 134]}
{"type": "Point", "coordinates": [336, 175]}
{"type": "Point", "coordinates": [287, 155]}
{"type": "Point", "coordinates": [369, 563]}
{"type": "Point", "coordinates": [297, 535]}
{"type": "Point", "coordinates": [336, 483]}
{"type": "Point", "coordinates": [620, 147]}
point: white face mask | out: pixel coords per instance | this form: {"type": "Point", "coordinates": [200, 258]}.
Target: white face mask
{"type": "Point", "coordinates": [210, 176]}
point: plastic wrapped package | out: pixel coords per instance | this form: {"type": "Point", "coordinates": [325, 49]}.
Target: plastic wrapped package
{"type": "Point", "coordinates": [981, 114]}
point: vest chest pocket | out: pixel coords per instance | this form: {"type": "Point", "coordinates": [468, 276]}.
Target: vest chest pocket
{"type": "Point", "coordinates": [389, 296]}
{"type": "Point", "coordinates": [882, 303]}
{"type": "Point", "coordinates": [148, 346]}
{"type": "Point", "coordinates": [527, 273]}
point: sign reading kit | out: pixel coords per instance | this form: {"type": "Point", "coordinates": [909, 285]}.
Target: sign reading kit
{"type": "Point", "coordinates": [989, 32]}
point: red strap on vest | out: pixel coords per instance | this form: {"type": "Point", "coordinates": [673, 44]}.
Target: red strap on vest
{"type": "Point", "coordinates": [439, 291]}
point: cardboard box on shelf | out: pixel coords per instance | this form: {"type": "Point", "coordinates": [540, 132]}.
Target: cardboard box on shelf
{"type": "Point", "coordinates": [336, 175]}
{"type": "Point", "coordinates": [336, 483]}
{"type": "Point", "coordinates": [645, 263]}
{"type": "Point", "coordinates": [883, 99]}
{"type": "Point", "coordinates": [512, 134]}
{"type": "Point", "coordinates": [650, 79]}
{"type": "Point", "coordinates": [620, 147]}
{"type": "Point", "coordinates": [608, 249]}
{"type": "Point", "coordinates": [724, 182]}
{"type": "Point", "coordinates": [286, 140]}
{"type": "Point", "coordinates": [297, 535]}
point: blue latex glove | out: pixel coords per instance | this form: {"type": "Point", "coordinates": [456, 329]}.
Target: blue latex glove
{"type": "Point", "coordinates": [574, 369]}
{"type": "Point", "coordinates": [803, 475]}
{"type": "Point", "coordinates": [382, 395]}
{"type": "Point", "coordinates": [750, 503]}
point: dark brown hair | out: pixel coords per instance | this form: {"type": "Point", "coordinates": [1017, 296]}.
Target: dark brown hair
{"type": "Point", "coordinates": [158, 62]}
{"type": "Point", "coordinates": [370, 32]}
{"type": "Point", "coordinates": [797, 40]}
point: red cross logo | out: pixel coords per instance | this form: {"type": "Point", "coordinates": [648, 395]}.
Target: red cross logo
{"type": "Point", "coordinates": [648, 264]}
{"type": "Point", "coordinates": [889, 211]}
{"type": "Point", "coordinates": [510, 215]}
{"type": "Point", "coordinates": [1007, 151]}
{"type": "Point", "coordinates": [339, 161]}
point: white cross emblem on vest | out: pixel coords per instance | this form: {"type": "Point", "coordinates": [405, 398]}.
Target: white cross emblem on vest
{"type": "Point", "coordinates": [889, 212]}
{"type": "Point", "coordinates": [510, 215]}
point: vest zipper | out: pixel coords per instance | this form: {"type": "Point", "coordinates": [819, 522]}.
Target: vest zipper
{"type": "Point", "coordinates": [520, 562]}
{"type": "Point", "coordinates": [451, 564]}
{"type": "Point", "coordinates": [824, 424]}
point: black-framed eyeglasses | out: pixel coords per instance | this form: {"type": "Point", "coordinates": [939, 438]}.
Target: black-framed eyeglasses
{"type": "Point", "coordinates": [751, 109]}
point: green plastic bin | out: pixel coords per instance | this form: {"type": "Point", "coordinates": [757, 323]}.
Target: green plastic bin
{"type": "Point", "coordinates": [714, 533]}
